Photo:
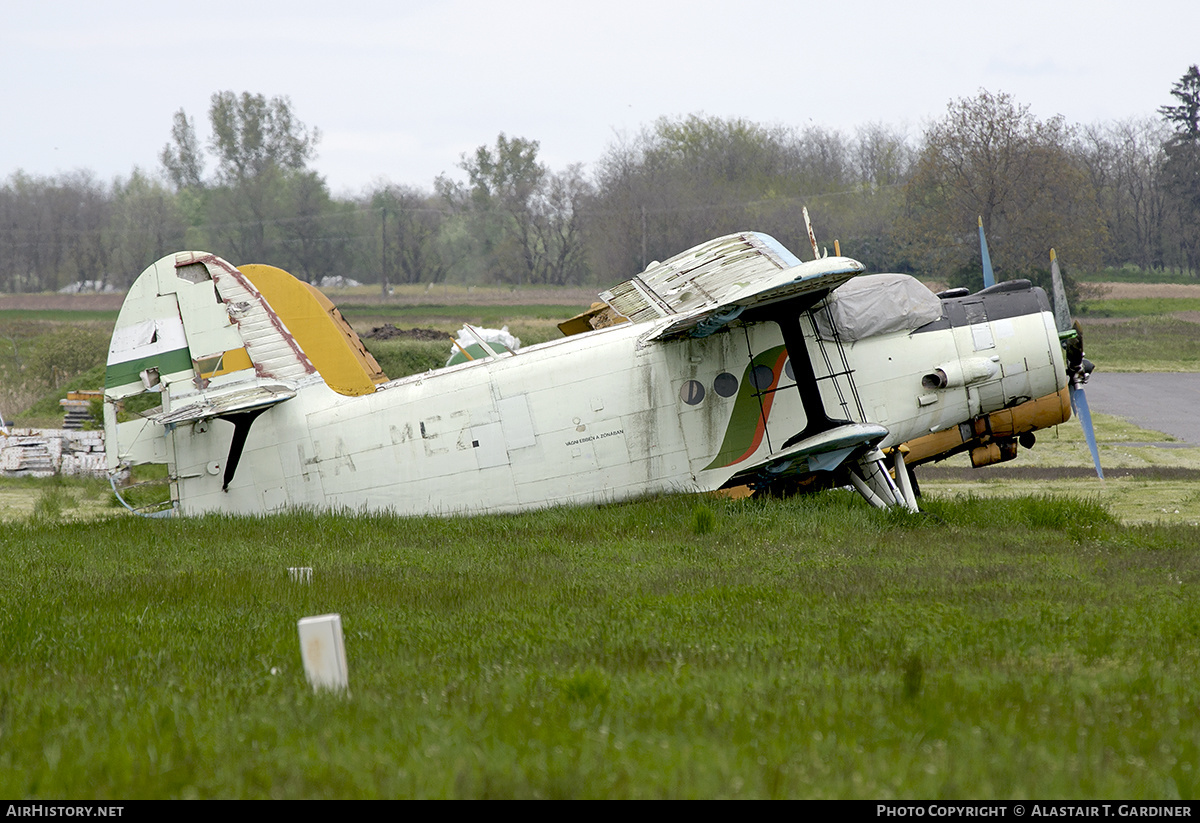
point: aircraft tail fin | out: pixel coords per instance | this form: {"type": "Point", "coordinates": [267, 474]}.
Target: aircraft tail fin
{"type": "Point", "coordinates": [191, 321]}
{"type": "Point", "coordinates": [197, 338]}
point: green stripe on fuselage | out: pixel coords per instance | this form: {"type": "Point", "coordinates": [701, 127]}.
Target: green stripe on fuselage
{"type": "Point", "coordinates": [746, 425]}
{"type": "Point", "coordinates": [167, 362]}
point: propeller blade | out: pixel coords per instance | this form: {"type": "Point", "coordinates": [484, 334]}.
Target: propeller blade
{"type": "Point", "coordinates": [1062, 312]}
{"type": "Point", "coordinates": [989, 279]}
{"type": "Point", "coordinates": [1079, 368]}
{"type": "Point", "coordinates": [1080, 404]}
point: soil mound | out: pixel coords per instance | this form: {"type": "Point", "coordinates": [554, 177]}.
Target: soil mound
{"type": "Point", "coordinates": [389, 332]}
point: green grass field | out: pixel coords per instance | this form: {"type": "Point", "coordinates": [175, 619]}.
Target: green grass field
{"type": "Point", "coordinates": [1149, 478]}
{"type": "Point", "coordinates": [671, 647]}
{"type": "Point", "coordinates": [1151, 343]}
{"type": "Point", "coordinates": [1136, 307]}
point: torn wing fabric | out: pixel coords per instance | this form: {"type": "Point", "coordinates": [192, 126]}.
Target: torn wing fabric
{"type": "Point", "coordinates": [874, 304]}
{"type": "Point", "coordinates": [707, 287]}
{"type": "Point", "coordinates": [207, 405]}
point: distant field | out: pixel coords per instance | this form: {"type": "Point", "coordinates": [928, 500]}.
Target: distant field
{"type": "Point", "coordinates": [1138, 307]}
{"type": "Point", "coordinates": [65, 315]}
{"type": "Point", "coordinates": [1137, 327]}
{"type": "Point", "coordinates": [452, 294]}
{"type": "Point", "coordinates": [1145, 343]}
{"type": "Point", "coordinates": [1133, 276]}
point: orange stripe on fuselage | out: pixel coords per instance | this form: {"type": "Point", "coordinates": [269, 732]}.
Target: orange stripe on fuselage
{"type": "Point", "coordinates": [761, 429]}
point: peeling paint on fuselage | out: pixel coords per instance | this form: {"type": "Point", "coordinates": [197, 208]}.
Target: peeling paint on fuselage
{"type": "Point", "coordinates": [603, 419]}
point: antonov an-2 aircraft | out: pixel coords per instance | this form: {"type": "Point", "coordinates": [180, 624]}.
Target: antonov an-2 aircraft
{"type": "Point", "coordinates": [733, 364]}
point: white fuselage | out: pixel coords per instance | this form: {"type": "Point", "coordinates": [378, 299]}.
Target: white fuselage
{"type": "Point", "coordinates": [596, 417]}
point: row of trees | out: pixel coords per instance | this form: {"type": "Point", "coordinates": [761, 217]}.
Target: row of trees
{"type": "Point", "coordinates": [1108, 194]}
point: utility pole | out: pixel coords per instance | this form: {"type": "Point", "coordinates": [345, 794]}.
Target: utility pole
{"type": "Point", "coordinates": [643, 238]}
{"type": "Point", "coordinates": [383, 251]}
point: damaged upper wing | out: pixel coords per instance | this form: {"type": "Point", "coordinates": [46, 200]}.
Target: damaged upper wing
{"type": "Point", "coordinates": [709, 286]}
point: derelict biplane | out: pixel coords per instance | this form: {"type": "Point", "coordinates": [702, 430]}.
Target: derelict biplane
{"type": "Point", "coordinates": [732, 364]}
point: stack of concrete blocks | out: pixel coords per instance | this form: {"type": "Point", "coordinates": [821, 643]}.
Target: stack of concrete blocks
{"type": "Point", "coordinates": [77, 408]}
{"type": "Point", "coordinates": [45, 452]}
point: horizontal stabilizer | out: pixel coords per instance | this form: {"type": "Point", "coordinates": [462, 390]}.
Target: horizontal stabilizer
{"type": "Point", "coordinates": [213, 404]}
{"type": "Point", "coordinates": [709, 286]}
{"type": "Point", "coordinates": [823, 451]}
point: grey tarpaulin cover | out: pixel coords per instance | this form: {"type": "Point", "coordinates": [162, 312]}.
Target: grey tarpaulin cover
{"type": "Point", "coordinates": [873, 304]}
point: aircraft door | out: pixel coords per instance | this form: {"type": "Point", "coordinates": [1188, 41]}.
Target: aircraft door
{"type": "Point", "coordinates": [976, 338]}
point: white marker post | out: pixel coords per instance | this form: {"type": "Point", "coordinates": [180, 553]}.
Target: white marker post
{"type": "Point", "coordinates": [300, 574]}
{"type": "Point", "coordinates": [324, 652]}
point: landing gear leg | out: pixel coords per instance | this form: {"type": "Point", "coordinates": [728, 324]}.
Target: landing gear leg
{"type": "Point", "coordinates": [874, 482]}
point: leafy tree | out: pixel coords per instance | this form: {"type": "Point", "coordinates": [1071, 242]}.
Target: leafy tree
{"type": "Point", "coordinates": [87, 207]}
{"type": "Point", "coordinates": [183, 158]}
{"type": "Point", "coordinates": [560, 213]}
{"type": "Point", "coordinates": [313, 232]}
{"type": "Point", "coordinates": [30, 233]}
{"type": "Point", "coordinates": [254, 137]}
{"type": "Point", "coordinates": [263, 202]}
{"type": "Point", "coordinates": [515, 220]}
{"type": "Point", "coordinates": [411, 248]}
{"type": "Point", "coordinates": [1182, 168]}
{"type": "Point", "coordinates": [881, 157]}
{"type": "Point", "coordinates": [684, 181]}
{"type": "Point", "coordinates": [990, 157]}
{"type": "Point", "coordinates": [503, 183]}
{"type": "Point", "coordinates": [881, 162]}
{"type": "Point", "coordinates": [1125, 164]}
{"type": "Point", "coordinates": [146, 223]}
{"type": "Point", "coordinates": [52, 230]}
{"type": "Point", "coordinates": [258, 144]}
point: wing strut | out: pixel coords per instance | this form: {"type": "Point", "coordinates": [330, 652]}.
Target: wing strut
{"type": "Point", "coordinates": [871, 478]}
{"type": "Point", "coordinates": [817, 419]}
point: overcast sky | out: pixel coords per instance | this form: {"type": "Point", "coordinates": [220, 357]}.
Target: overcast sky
{"type": "Point", "coordinates": [400, 90]}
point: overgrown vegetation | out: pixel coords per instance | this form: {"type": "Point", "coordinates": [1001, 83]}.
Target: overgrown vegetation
{"type": "Point", "coordinates": [44, 359]}
{"type": "Point", "coordinates": [804, 648]}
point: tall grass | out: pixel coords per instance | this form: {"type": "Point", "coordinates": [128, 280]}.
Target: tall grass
{"type": "Point", "coordinates": [802, 648]}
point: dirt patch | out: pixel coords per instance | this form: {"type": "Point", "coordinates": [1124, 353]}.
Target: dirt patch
{"type": "Point", "coordinates": [469, 295]}
{"type": "Point", "coordinates": [389, 332]}
{"type": "Point", "coordinates": [1133, 291]}
{"type": "Point", "coordinates": [62, 302]}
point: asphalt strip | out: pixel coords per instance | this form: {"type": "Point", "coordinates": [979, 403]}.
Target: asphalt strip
{"type": "Point", "coordinates": [1162, 401]}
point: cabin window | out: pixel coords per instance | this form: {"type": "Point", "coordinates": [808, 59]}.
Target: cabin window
{"type": "Point", "coordinates": [725, 385]}
{"type": "Point", "coordinates": [761, 377]}
{"type": "Point", "coordinates": [692, 392]}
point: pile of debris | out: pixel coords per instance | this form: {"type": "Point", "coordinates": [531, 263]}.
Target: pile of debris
{"type": "Point", "coordinates": [46, 452]}
{"type": "Point", "coordinates": [389, 332]}
{"type": "Point", "coordinates": [77, 408]}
